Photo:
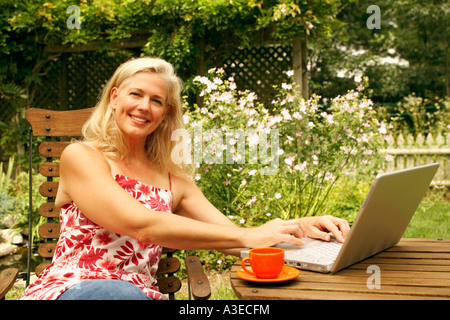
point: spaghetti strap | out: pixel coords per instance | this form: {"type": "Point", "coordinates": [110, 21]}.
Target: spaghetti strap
{"type": "Point", "coordinates": [170, 183]}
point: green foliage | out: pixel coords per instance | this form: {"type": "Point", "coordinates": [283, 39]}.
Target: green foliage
{"type": "Point", "coordinates": [7, 202]}
{"type": "Point", "coordinates": [19, 189]}
{"type": "Point", "coordinates": [14, 198]}
{"type": "Point", "coordinates": [5, 178]}
{"type": "Point", "coordinates": [422, 116]}
{"type": "Point", "coordinates": [431, 217]}
{"type": "Point", "coordinates": [417, 115]}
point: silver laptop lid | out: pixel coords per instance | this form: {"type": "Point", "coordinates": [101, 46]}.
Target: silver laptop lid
{"type": "Point", "coordinates": [385, 213]}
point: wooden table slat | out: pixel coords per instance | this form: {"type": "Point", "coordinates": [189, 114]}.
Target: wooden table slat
{"type": "Point", "coordinates": [422, 241]}
{"type": "Point", "coordinates": [414, 255]}
{"type": "Point", "coordinates": [275, 294]}
{"type": "Point", "coordinates": [426, 248]}
{"type": "Point", "coordinates": [400, 261]}
{"type": "Point", "coordinates": [420, 282]}
{"type": "Point", "coordinates": [401, 265]}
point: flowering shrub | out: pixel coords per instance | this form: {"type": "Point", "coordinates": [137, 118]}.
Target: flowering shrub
{"type": "Point", "coordinates": [323, 145]}
{"type": "Point", "coordinates": [256, 162]}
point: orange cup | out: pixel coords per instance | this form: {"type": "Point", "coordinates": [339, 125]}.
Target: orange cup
{"type": "Point", "coordinates": [266, 263]}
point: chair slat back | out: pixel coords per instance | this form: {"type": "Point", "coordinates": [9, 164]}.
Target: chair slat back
{"type": "Point", "coordinates": [50, 123]}
{"type": "Point", "coordinates": [57, 127]}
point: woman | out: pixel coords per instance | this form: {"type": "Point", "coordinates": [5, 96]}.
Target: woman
{"type": "Point", "coordinates": [119, 186]}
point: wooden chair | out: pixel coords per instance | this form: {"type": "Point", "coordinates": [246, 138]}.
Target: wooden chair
{"type": "Point", "coordinates": [58, 127]}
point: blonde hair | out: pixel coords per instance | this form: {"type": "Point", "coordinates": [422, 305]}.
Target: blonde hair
{"type": "Point", "coordinates": [102, 131]}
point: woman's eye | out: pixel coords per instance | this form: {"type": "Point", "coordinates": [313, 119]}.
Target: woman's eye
{"type": "Point", "coordinates": [157, 101]}
{"type": "Point", "coordinates": [136, 94]}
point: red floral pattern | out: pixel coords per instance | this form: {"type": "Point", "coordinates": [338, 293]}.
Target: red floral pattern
{"type": "Point", "coordinates": [87, 251]}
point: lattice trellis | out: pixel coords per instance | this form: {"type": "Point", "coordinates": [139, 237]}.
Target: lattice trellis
{"type": "Point", "coordinates": [47, 93]}
{"type": "Point", "coordinates": [258, 69]}
{"type": "Point", "coordinates": [76, 80]}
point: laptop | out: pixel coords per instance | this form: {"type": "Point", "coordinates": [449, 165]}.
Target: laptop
{"type": "Point", "coordinates": [381, 221]}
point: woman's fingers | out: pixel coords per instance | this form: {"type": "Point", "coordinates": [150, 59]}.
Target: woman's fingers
{"type": "Point", "coordinates": [277, 231]}
{"type": "Point", "coordinates": [338, 227]}
{"type": "Point", "coordinates": [319, 227]}
{"type": "Point", "coordinates": [294, 230]}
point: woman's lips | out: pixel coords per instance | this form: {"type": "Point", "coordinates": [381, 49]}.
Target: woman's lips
{"type": "Point", "coordinates": [142, 120]}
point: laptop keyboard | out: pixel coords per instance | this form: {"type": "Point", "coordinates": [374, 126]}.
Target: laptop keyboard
{"type": "Point", "coordinates": [321, 251]}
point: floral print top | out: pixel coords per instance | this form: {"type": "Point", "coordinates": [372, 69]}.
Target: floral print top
{"type": "Point", "coordinates": [87, 251]}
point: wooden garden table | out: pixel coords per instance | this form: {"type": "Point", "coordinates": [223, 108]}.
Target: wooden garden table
{"type": "Point", "coordinates": [413, 269]}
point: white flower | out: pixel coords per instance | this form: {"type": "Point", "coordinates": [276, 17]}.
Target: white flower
{"type": "Point", "coordinates": [382, 128]}
{"type": "Point", "coordinates": [253, 139]}
{"type": "Point", "coordinates": [286, 86]}
{"type": "Point", "coordinates": [297, 115]}
{"type": "Point", "coordinates": [286, 114]}
{"type": "Point", "coordinates": [315, 159]}
{"type": "Point", "coordinates": [252, 200]}
{"type": "Point", "coordinates": [236, 157]}
{"type": "Point", "coordinates": [289, 161]}
{"type": "Point", "coordinates": [251, 96]}
{"type": "Point", "coordinates": [301, 166]}
{"type": "Point", "coordinates": [329, 176]}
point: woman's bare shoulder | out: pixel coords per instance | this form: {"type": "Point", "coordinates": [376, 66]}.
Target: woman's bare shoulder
{"type": "Point", "coordinates": [80, 147]}
{"type": "Point", "coordinates": [76, 150]}
{"type": "Point", "coordinates": [82, 156]}
{"type": "Point", "coordinates": [81, 164]}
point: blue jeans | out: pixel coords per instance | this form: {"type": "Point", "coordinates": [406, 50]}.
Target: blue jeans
{"type": "Point", "coordinates": [104, 289]}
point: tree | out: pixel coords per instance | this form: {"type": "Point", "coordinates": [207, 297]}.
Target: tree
{"type": "Point", "coordinates": [409, 53]}
{"type": "Point", "coordinates": [422, 31]}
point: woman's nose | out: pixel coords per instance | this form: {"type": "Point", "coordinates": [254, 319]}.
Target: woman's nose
{"type": "Point", "coordinates": [144, 105]}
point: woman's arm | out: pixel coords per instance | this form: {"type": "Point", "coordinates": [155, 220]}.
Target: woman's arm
{"type": "Point", "coordinates": [86, 179]}
{"type": "Point", "coordinates": [193, 204]}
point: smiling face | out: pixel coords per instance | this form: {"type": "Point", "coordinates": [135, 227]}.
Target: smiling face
{"type": "Point", "coordinates": [140, 105]}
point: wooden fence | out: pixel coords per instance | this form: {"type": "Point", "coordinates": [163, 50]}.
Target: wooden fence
{"type": "Point", "coordinates": [408, 151]}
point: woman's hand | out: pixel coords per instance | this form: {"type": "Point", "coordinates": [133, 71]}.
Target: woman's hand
{"type": "Point", "coordinates": [319, 227]}
{"type": "Point", "coordinates": [274, 232]}
{"type": "Point", "coordinates": [277, 231]}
